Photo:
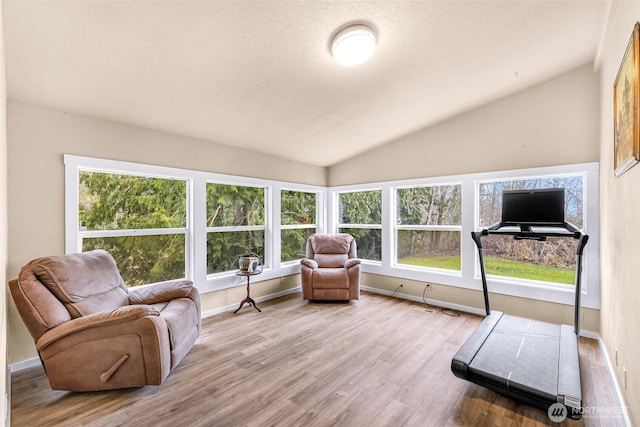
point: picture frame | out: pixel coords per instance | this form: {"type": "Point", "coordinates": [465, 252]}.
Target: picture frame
{"type": "Point", "coordinates": [626, 108]}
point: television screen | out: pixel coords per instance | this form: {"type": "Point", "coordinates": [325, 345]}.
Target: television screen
{"type": "Point", "coordinates": [541, 206]}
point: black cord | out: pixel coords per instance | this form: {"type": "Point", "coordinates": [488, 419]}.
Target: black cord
{"type": "Point", "coordinates": [446, 311]}
{"type": "Point", "coordinates": [394, 292]}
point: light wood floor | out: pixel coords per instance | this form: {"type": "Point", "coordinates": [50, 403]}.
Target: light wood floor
{"type": "Point", "coordinates": [373, 362]}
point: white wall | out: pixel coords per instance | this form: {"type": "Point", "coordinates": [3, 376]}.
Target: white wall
{"type": "Point", "coordinates": [620, 223]}
{"type": "Point", "coordinates": [553, 123]}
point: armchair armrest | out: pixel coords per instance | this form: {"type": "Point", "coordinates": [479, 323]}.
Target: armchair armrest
{"type": "Point", "coordinates": [119, 315]}
{"type": "Point", "coordinates": [309, 263]}
{"type": "Point", "coordinates": [161, 292]}
{"type": "Point", "coordinates": [351, 262]}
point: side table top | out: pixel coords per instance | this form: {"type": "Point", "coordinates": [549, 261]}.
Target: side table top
{"type": "Point", "coordinates": [247, 273]}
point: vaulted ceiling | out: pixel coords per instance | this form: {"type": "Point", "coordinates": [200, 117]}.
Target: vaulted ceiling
{"type": "Point", "coordinates": [259, 74]}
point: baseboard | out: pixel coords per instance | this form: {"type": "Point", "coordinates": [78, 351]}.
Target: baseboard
{"type": "Point", "coordinates": [450, 306]}
{"type": "Point", "coordinates": [443, 304]}
{"type": "Point", "coordinates": [234, 306]}
{"type": "Point", "coordinates": [7, 399]}
{"type": "Point", "coordinates": [612, 376]}
{"type": "Point", "coordinates": [24, 364]}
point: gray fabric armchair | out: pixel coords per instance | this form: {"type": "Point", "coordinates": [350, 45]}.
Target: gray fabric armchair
{"type": "Point", "coordinates": [331, 270]}
{"type": "Point", "coordinates": [93, 333]}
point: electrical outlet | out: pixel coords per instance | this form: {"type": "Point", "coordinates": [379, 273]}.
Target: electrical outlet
{"type": "Point", "coordinates": [624, 377]}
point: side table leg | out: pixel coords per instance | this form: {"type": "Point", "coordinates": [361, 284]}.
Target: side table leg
{"type": "Point", "coordinates": [248, 299]}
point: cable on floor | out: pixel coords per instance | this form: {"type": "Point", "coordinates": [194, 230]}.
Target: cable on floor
{"type": "Point", "coordinates": [446, 311]}
{"type": "Point", "coordinates": [396, 291]}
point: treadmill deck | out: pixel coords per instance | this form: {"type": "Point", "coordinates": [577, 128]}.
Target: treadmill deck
{"type": "Point", "coordinates": [533, 361]}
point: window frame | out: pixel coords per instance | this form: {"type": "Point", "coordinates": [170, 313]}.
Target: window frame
{"type": "Point", "coordinates": [239, 228]}
{"type": "Point", "coordinates": [315, 226]}
{"type": "Point", "coordinates": [338, 225]}
{"type": "Point", "coordinates": [74, 244]}
{"type": "Point", "coordinates": [196, 230]}
{"type": "Point", "coordinates": [469, 276]}
{"type": "Point", "coordinates": [399, 227]}
{"type": "Point", "coordinates": [327, 220]}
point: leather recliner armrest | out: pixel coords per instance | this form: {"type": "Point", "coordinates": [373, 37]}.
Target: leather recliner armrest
{"type": "Point", "coordinates": [351, 262]}
{"type": "Point", "coordinates": [119, 315]}
{"type": "Point", "coordinates": [309, 263]}
{"type": "Point", "coordinates": [161, 292]}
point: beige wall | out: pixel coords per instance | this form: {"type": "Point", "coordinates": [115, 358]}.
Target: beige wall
{"type": "Point", "coordinates": [553, 123]}
{"type": "Point", "coordinates": [620, 224]}
{"type": "Point", "coordinates": [3, 230]}
{"type": "Point", "coordinates": [37, 140]}
{"type": "Point", "coordinates": [529, 308]}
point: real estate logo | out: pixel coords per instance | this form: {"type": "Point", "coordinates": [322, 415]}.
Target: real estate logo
{"type": "Point", "coordinates": [557, 412]}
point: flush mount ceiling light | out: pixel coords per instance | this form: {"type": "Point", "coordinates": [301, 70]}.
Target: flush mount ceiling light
{"type": "Point", "coordinates": [353, 45]}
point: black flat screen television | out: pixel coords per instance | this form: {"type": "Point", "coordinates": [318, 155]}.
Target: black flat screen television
{"type": "Point", "coordinates": [535, 207]}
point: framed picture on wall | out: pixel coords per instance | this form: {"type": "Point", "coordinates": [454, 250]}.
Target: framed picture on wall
{"type": "Point", "coordinates": [626, 108]}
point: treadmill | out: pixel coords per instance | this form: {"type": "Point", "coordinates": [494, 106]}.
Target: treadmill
{"type": "Point", "coordinates": [531, 361]}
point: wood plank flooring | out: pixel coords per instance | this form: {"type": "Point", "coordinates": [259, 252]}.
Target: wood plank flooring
{"type": "Point", "coordinates": [374, 362]}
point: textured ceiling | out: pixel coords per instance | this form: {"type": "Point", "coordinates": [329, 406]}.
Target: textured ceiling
{"type": "Point", "coordinates": [259, 75]}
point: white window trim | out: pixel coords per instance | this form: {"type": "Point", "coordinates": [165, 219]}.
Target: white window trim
{"type": "Point", "coordinates": [327, 216]}
{"type": "Point", "coordinates": [316, 226]}
{"type": "Point", "coordinates": [335, 214]}
{"type": "Point", "coordinates": [196, 230]}
{"type": "Point", "coordinates": [468, 277]}
{"type": "Point", "coordinates": [397, 227]}
{"type": "Point", "coordinates": [266, 261]}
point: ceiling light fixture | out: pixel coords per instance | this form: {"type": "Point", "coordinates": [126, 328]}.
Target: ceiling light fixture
{"type": "Point", "coordinates": [353, 45]}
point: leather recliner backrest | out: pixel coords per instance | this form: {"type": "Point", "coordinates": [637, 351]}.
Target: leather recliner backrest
{"type": "Point", "coordinates": [39, 308]}
{"type": "Point", "coordinates": [52, 290]}
{"type": "Point", "coordinates": [331, 250]}
{"type": "Point", "coordinates": [86, 283]}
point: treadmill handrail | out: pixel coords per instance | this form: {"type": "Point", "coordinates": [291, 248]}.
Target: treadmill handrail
{"type": "Point", "coordinates": [525, 232]}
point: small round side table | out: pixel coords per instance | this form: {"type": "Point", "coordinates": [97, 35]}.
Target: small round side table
{"type": "Point", "coordinates": [248, 299]}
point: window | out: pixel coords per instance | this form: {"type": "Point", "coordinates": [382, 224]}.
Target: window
{"type": "Point", "coordinates": [140, 220]}
{"type": "Point", "coordinates": [549, 261]}
{"type": "Point", "coordinates": [163, 223]}
{"type": "Point", "coordinates": [298, 214]}
{"type": "Point", "coordinates": [360, 214]}
{"type": "Point", "coordinates": [236, 224]}
{"type": "Point", "coordinates": [428, 226]}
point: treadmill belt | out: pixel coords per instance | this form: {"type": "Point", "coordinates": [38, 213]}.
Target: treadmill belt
{"type": "Point", "coordinates": [522, 355]}
{"type": "Point", "coordinates": [536, 362]}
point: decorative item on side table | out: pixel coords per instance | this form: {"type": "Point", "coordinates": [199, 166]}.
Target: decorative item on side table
{"type": "Point", "coordinates": [250, 265]}
{"type": "Point", "coordinates": [626, 108]}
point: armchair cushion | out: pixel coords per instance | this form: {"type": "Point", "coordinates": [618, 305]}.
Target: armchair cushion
{"type": "Point", "coordinates": [330, 260]}
{"type": "Point", "coordinates": [161, 292]}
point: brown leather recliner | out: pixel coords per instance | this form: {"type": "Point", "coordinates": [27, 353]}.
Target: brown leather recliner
{"type": "Point", "coordinates": [331, 270]}
{"type": "Point", "coordinates": [93, 333]}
